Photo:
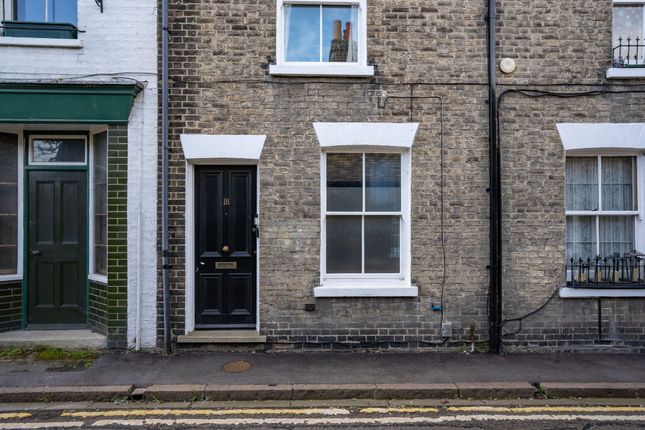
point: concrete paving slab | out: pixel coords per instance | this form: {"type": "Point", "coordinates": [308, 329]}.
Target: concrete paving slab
{"type": "Point", "coordinates": [416, 391]}
{"type": "Point", "coordinates": [70, 339]}
{"type": "Point", "coordinates": [496, 390]}
{"type": "Point", "coordinates": [333, 391]}
{"type": "Point", "coordinates": [175, 393]}
{"type": "Point", "coordinates": [64, 393]}
{"type": "Point", "coordinates": [608, 390]}
{"type": "Point", "coordinates": [248, 392]}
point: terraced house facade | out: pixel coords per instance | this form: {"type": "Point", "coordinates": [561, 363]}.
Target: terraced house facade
{"type": "Point", "coordinates": [78, 113]}
{"type": "Point", "coordinates": [330, 164]}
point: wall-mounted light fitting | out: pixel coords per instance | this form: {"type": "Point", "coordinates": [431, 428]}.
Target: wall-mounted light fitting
{"type": "Point", "coordinates": [507, 65]}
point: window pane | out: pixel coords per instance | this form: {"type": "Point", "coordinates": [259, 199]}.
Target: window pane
{"type": "Point", "coordinates": [617, 187]}
{"type": "Point", "coordinates": [302, 33]}
{"type": "Point", "coordinates": [343, 244]}
{"type": "Point", "coordinates": [628, 23]}
{"type": "Point", "coordinates": [382, 244]}
{"type": "Point", "coordinates": [581, 237]}
{"type": "Point", "coordinates": [582, 183]}
{"type": "Point", "coordinates": [382, 182]}
{"type": "Point", "coordinates": [340, 34]}
{"type": "Point", "coordinates": [62, 11]}
{"type": "Point", "coordinates": [31, 10]}
{"type": "Point", "coordinates": [8, 203]}
{"type": "Point", "coordinates": [616, 235]}
{"type": "Point", "coordinates": [58, 150]}
{"type": "Point", "coordinates": [99, 188]}
{"type": "Point", "coordinates": [344, 182]}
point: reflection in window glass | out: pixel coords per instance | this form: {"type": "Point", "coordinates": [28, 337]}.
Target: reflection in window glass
{"type": "Point", "coordinates": [340, 34]}
{"type": "Point", "coordinates": [343, 244]}
{"type": "Point", "coordinates": [321, 33]}
{"type": "Point", "coordinates": [99, 189]}
{"type": "Point", "coordinates": [63, 150]}
{"type": "Point", "coordinates": [382, 182]}
{"type": "Point", "coordinates": [62, 11]}
{"type": "Point", "coordinates": [345, 182]}
{"type": "Point", "coordinates": [382, 244]}
{"type": "Point", "coordinates": [302, 33]}
{"type": "Point", "coordinates": [8, 204]}
{"type": "Point", "coordinates": [368, 241]}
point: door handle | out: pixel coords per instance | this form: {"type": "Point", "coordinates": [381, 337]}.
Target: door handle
{"type": "Point", "coordinates": [225, 248]}
{"type": "Point", "coordinates": [201, 263]}
{"type": "Point", "coordinates": [35, 252]}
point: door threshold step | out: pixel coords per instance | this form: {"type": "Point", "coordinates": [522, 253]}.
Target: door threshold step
{"type": "Point", "coordinates": [72, 339]}
{"type": "Point", "coordinates": [222, 337]}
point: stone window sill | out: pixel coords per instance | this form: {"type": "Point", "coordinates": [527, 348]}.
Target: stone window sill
{"type": "Point", "coordinates": [582, 293]}
{"type": "Point", "coordinates": [36, 42]}
{"type": "Point", "coordinates": [99, 279]}
{"type": "Point", "coordinates": [321, 70]}
{"type": "Point", "coordinates": [10, 278]}
{"type": "Point", "coordinates": [625, 73]}
{"type": "Point", "coordinates": [366, 289]}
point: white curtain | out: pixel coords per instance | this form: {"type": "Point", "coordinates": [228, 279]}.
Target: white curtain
{"type": "Point", "coordinates": [352, 43]}
{"type": "Point", "coordinates": [582, 183]}
{"type": "Point", "coordinates": [617, 184]}
{"type": "Point", "coordinates": [287, 26]}
{"type": "Point", "coordinates": [581, 237]}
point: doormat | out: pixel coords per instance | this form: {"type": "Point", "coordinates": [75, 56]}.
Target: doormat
{"type": "Point", "coordinates": [237, 366]}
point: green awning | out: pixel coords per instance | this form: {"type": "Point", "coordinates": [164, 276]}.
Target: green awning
{"type": "Point", "coordinates": [78, 103]}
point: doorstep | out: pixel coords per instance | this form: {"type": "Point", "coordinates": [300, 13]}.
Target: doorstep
{"type": "Point", "coordinates": [222, 337]}
{"type": "Point", "coordinates": [72, 339]}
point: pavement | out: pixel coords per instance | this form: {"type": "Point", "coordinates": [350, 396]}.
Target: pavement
{"type": "Point", "coordinates": [305, 376]}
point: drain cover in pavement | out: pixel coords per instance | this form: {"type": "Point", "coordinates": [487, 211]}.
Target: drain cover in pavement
{"type": "Point", "coordinates": [237, 366]}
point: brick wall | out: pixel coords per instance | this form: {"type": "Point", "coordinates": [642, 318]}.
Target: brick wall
{"type": "Point", "coordinates": [219, 85]}
{"type": "Point", "coordinates": [117, 293]}
{"type": "Point", "coordinates": [10, 305]}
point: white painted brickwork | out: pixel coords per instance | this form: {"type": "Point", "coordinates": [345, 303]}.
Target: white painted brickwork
{"type": "Point", "coordinates": [121, 42]}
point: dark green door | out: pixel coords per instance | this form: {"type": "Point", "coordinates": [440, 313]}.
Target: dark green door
{"type": "Point", "coordinates": [57, 247]}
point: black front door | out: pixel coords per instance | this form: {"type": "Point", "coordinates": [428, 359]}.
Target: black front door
{"type": "Point", "coordinates": [225, 247]}
{"type": "Point", "coordinates": [57, 247]}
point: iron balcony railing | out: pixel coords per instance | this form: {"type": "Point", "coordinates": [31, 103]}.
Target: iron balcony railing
{"type": "Point", "coordinates": [627, 271]}
{"type": "Point", "coordinates": [629, 54]}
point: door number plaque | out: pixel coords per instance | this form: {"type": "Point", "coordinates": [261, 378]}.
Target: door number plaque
{"type": "Point", "coordinates": [226, 265]}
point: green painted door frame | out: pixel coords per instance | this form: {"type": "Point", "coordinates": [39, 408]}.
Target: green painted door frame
{"type": "Point", "coordinates": [25, 235]}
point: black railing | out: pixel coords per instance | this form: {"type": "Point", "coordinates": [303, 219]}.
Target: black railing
{"type": "Point", "coordinates": [627, 271]}
{"type": "Point", "coordinates": [630, 54]}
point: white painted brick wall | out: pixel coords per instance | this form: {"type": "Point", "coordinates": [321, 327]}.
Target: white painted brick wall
{"type": "Point", "coordinates": [121, 42]}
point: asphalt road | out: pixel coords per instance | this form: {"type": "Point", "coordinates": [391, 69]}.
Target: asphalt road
{"type": "Point", "coordinates": [492, 415]}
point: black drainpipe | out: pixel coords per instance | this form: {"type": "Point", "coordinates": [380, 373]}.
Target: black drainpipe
{"type": "Point", "coordinates": [495, 190]}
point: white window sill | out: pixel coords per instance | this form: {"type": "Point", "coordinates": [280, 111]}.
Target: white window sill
{"type": "Point", "coordinates": [317, 70]}
{"type": "Point", "coordinates": [100, 279]}
{"type": "Point", "coordinates": [366, 289]}
{"type": "Point", "coordinates": [10, 278]}
{"type": "Point", "coordinates": [581, 293]}
{"type": "Point", "coordinates": [37, 42]}
{"type": "Point", "coordinates": [625, 73]}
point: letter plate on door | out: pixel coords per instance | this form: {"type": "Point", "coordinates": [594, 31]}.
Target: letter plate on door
{"type": "Point", "coordinates": [226, 265]}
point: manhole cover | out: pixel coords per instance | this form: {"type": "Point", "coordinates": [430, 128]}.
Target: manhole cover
{"type": "Point", "coordinates": [237, 366]}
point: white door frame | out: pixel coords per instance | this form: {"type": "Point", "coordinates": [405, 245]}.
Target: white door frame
{"type": "Point", "coordinates": [215, 150]}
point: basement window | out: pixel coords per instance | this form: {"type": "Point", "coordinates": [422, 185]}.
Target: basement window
{"type": "Point", "coordinates": [321, 38]}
